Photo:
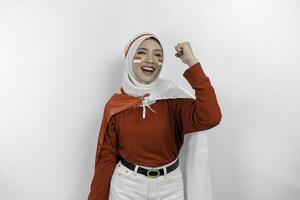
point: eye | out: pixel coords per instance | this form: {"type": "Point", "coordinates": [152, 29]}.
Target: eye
{"type": "Point", "coordinates": [140, 52]}
{"type": "Point", "coordinates": [159, 55]}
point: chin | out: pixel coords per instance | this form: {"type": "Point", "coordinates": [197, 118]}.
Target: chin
{"type": "Point", "coordinates": [147, 81]}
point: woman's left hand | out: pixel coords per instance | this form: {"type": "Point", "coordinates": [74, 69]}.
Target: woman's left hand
{"type": "Point", "coordinates": [185, 53]}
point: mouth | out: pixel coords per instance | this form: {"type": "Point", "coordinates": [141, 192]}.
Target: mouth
{"type": "Point", "coordinates": [148, 70]}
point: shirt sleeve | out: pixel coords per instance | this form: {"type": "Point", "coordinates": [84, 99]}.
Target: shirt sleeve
{"type": "Point", "coordinates": [105, 164]}
{"type": "Point", "coordinates": [201, 113]}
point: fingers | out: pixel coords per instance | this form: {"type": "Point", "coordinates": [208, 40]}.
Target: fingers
{"type": "Point", "coordinates": [178, 54]}
{"type": "Point", "coordinates": [180, 48]}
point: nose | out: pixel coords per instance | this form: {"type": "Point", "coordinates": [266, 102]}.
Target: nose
{"type": "Point", "coordinates": [149, 58]}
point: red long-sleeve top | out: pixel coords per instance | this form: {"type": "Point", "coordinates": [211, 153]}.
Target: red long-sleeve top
{"type": "Point", "coordinates": [157, 139]}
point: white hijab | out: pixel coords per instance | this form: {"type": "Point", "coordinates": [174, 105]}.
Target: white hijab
{"type": "Point", "coordinates": [193, 156]}
{"type": "Point", "coordinates": [159, 88]}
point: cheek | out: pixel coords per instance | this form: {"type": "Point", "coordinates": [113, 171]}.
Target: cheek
{"type": "Point", "coordinates": [160, 61]}
{"type": "Point", "coordinates": [136, 67]}
{"type": "Point", "coordinates": [137, 60]}
{"type": "Point", "coordinates": [158, 71]}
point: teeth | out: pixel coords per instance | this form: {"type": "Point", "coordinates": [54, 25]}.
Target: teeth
{"type": "Point", "coordinates": [148, 68]}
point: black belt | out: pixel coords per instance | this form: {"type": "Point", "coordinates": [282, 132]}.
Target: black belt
{"type": "Point", "coordinates": [150, 172]}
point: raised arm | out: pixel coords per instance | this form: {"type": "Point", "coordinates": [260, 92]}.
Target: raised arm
{"type": "Point", "coordinates": [105, 165]}
{"type": "Point", "coordinates": [201, 113]}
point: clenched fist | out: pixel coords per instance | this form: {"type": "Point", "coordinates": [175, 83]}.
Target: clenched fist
{"type": "Point", "coordinates": [185, 53]}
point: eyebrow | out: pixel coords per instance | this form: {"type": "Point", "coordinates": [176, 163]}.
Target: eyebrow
{"type": "Point", "coordinates": [147, 49]}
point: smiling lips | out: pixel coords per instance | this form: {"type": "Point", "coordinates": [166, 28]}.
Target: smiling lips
{"type": "Point", "coordinates": [148, 70]}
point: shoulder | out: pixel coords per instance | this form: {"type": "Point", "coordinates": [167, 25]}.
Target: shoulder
{"type": "Point", "coordinates": [114, 97]}
{"type": "Point", "coordinates": [118, 100]}
{"type": "Point", "coordinates": [118, 103]}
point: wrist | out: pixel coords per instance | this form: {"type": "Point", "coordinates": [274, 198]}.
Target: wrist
{"type": "Point", "coordinates": [192, 62]}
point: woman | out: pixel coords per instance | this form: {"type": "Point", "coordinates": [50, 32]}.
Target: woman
{"type": "Point", "coordinates": [138, 154]}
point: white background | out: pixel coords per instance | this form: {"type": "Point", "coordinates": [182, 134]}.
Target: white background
{"type": "Point", "coordinates": [61, 60]}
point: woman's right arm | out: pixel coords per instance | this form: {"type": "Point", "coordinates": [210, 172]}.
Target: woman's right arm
{"type": "Point", "coordinates": [105, 164]}
{"type": "Point", "coordinates": [201, 113]}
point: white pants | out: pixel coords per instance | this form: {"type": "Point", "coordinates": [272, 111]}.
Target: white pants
{"type": "Point", "coordinates": [129, 185]}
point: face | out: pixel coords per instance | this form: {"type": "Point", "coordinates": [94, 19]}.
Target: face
{"type": "Point", "coordinates": [147, 61]}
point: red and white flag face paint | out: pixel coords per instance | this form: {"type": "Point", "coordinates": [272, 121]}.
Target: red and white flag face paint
{"type": "Point", "coordinates": [160, 62]}
{"type": "Point", "coordinates": [137, 59]}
